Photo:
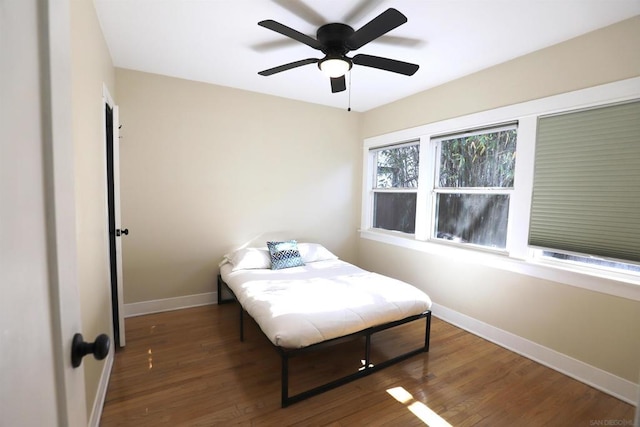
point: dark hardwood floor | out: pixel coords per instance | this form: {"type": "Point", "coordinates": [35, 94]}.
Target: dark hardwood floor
{"type": "Point", "coordinates": [189, 368]}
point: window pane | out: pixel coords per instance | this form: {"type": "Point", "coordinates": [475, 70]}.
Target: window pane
{"type": "Point", "coordinates": [397, 167]}
{"type": "Point", "coordinates": [484, 160]}
{"type": "Point", "coordinates": [395, 211]}
{"type": "Point", "coordinates": [480, 219]}
{"type": "Point", "coordinates": [593, 261]}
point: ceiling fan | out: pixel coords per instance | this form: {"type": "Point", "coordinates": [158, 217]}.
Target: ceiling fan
{"type": "Point", "coordinates": [336, 40]}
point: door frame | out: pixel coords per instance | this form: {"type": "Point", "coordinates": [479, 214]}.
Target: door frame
{"type": "Point", "coordinates": [59, 173]}
{"type": "Point", "coordinates": [107, 99]}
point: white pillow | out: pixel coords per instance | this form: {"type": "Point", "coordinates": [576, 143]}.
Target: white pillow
{"type": "Point", "coordinates": [249, 258]}
{"type": "Point", "coordinates": [259, 258]}
{"type": "Point", "coordinates": [311, 252]}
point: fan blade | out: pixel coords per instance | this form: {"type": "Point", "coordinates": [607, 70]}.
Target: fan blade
{"type": "Point", "coordinates": [288, 66]}
{"type": "Point", "coordinates": [338, 84]}
{"type": "Point", "coordinates": [386, 64]}
{"type": "Point", "coordinates": [274, 45]}
{"type": "Point", "coordinates": [290, 32]}
{"type": "Point", "coordinates": [302, 11]}
{"type": "Point", "coordinates": [360, 9]}
{"type": "Point", "coordinates": [400, 41]}
{"type": "Point", "coordinates": [378, 26]}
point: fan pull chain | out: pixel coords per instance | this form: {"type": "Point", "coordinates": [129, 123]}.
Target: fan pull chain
{"type": "Point", "coordinates": [349, 106]}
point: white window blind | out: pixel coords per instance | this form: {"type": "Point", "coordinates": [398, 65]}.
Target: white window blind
{"type": "Point", "coordinates": [586, 190]}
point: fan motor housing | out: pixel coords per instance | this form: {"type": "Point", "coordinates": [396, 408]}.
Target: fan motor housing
{"type": "Point", "coordinates": [333, 37]}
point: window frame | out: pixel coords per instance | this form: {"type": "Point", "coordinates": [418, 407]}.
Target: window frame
{"type": "Point", "coordinates": [390, 190]}
{"type": "Point", "coordinates": [434, 190]}
{"type": "Point", "coordinates": [517, 256]}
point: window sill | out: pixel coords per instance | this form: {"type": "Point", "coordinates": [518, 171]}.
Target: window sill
{"type": "Point", "coordinates": [610, 283]}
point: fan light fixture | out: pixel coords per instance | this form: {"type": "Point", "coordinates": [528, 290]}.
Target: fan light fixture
{"type": "Point", "coordinates": [336, 40]}
{"type": "Point", "coordinates": [335, 67]}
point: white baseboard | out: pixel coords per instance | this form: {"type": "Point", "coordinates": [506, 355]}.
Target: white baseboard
{"type": "Point", "coordinates": [101, 393]}
{"type": "Point", "coordinates": [169, 304]}
{"type": "Point", "coordinates": [620, 388]}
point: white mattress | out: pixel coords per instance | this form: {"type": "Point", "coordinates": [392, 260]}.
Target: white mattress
{"type": "Point", "coordinates": [300, 306]}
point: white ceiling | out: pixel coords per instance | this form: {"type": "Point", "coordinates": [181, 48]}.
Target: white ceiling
{"type": "Point", "coordinates": [219, 41]}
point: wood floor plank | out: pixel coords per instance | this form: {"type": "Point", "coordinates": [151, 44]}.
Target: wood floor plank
{"type": "Point", "coordinates": [189, 368]}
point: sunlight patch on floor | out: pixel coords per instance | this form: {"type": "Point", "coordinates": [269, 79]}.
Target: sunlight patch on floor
{"type": "Point", "coordinates": [419, 409]}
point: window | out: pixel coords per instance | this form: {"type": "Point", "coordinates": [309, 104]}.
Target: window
{"type": "Point", "coordinates": [474, 179]}
{"type": "Point", "coordinates": [566, 206]}
{"type": "Point", "coordinates": [395, 187]}
{"type": "Point", "coordinates": [469, 194]}
{"type": "Point", "coordinates": [585, 191]}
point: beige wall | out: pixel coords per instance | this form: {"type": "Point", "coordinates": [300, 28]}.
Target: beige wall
{"type": "Point", "coordinates": [599, 57]}
{"type": "Point", "coordinates": [598, 329]}
{"type": "Point", "coordinates": [206, 168]}
{"type": "Point", "coordinates": [91, 67]}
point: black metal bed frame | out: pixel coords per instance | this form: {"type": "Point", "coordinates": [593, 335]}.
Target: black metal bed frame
{"type": "Point", "coordinates": [367, 369]}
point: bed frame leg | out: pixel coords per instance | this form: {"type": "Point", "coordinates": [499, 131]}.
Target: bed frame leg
{"type": "Point", "coordinates": [427, 333]}
{"type": "Point", "coordinates": [367, 351]}
{"type": "Point", "coordinates": [284, 381]}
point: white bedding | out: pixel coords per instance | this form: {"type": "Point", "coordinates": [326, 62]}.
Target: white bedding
{"type": "Point", "coordinates": [300, 306]}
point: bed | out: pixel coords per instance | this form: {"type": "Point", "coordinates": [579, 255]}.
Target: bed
{"type": "Point", "coordinates": [317, 300]}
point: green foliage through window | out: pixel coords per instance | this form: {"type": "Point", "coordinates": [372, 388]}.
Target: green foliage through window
{"type": "Point", "coordinates": [398, 167]}
{"type": "Point", "coordinates": [482, 160]}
